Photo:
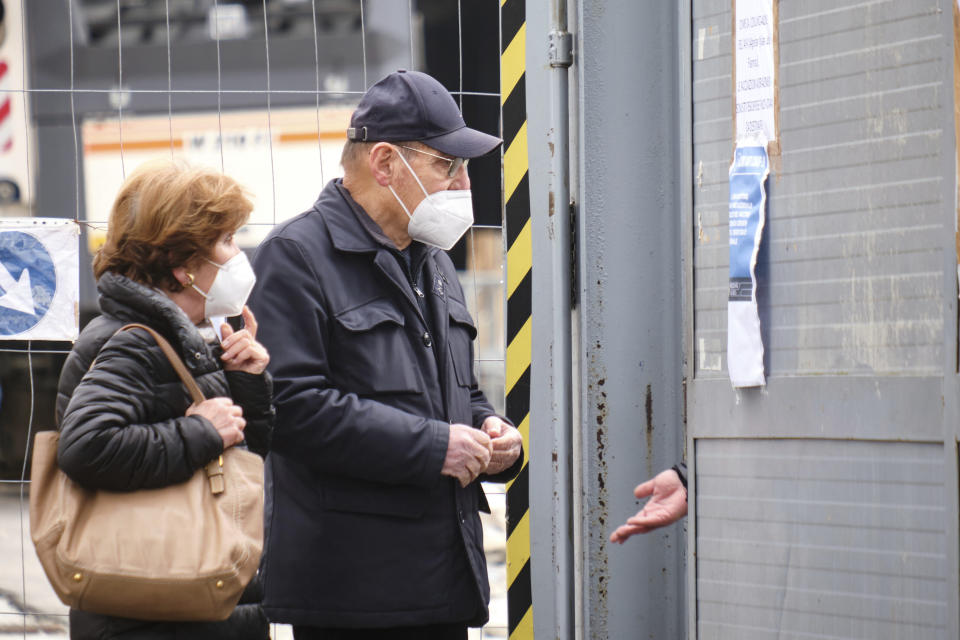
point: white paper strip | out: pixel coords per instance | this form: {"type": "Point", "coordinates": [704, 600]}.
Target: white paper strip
{"type": "Point", "coordinates": [753, 42]}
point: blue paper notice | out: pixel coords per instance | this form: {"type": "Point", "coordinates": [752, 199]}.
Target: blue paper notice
{"type": "Point", "coordinates": [748, 200]}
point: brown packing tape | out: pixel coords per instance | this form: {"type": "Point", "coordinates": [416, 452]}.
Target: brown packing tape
{"type": "Point", "coordinates": [956, 107]}
{"type": "Point", "coordinates": [733, 78]}
{"type": "Point", "coordinates": [773, 148]}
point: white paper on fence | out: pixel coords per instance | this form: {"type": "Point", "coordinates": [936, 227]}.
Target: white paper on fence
{"type": "Point", "coordinates": [747, 216]}
{"type": "Point", "coordinates": [756, 72]}
{"type": "Point", "coordinates": [39, 279]}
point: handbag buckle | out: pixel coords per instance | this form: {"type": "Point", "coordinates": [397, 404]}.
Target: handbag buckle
{"type": "Point", "coordinates": [215, 476]}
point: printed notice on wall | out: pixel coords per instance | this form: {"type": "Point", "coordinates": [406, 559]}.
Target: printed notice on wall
{"type": "Point", "coordinates": [39, 279]}
{"type": "Point", "coordinates": [748, 202]}
{"type": "Point", "coordinates": [755, 69]}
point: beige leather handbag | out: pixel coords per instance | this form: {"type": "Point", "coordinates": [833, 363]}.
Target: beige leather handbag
{"type": "Point", "coordinates": [183, 552]}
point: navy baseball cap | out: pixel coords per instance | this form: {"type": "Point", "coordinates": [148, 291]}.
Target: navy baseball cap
{"type": "Point", "coordinates": [412, 106]}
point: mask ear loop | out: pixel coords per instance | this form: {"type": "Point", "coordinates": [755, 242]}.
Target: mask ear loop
{"type": "Point", "coordinates": [405, 210]}
{"type": "Point", "coordinates": [412, 172]}
{"type": "Point", "coordinates": [195, 287]}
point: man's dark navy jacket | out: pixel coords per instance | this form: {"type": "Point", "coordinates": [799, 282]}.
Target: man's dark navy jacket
{"type": "Point", "coordinates": [371, 362]}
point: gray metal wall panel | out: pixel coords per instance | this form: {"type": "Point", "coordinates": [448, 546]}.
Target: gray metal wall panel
{"type": "Point", "coordinates": [853, 274]}
{"type": "Point", "coordinates": [820, 538]}
{"type": "Point", "coordinates": [630, 379]}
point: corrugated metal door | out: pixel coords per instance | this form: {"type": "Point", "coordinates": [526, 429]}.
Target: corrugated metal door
{"type": "Point", "coordinates": [825, 504]}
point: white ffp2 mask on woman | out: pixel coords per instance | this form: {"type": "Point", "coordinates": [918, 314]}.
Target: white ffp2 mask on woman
{"type": "Point", "coordinates": [230, 289]}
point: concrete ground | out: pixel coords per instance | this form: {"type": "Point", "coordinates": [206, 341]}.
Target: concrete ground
{"type": "Point", "coordinates": [30, 610]}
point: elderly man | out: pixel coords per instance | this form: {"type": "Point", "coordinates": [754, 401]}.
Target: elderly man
{"type": "Point", "coordinates": [382, 434]}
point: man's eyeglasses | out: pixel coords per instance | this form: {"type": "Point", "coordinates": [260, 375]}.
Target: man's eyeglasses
{"type": "Point", "coordinates": [455, 163]}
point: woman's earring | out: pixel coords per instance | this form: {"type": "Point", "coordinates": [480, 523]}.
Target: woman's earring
{"type": "Point", "coordinates": [190, 284]}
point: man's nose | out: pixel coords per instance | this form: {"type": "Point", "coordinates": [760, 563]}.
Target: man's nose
{"type": "Point", "coordinates": [461, 180]}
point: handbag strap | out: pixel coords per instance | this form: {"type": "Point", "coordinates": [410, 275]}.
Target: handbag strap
{"type": "Point", "coordinates": [195, 393]}
{"type": "Point", "coordinates": [214, 468]}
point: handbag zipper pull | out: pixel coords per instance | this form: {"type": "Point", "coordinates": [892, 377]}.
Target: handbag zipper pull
{"type": "Point", "coordinates": [215, 475]}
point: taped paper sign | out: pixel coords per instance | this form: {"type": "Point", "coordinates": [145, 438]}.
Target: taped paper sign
{"type": "Point", "coordinates": [39, 279]}
{"type": "Point", "coordinates": [748, 202]}
{"type": "Point", "coordinates": [755, 69]}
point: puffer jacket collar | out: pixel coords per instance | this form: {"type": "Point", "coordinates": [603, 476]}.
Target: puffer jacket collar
{"type": "Point", "coordinates": [130, 301]}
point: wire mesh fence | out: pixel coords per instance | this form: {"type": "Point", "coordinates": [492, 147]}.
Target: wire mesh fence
{"type": "Point", "coordinates": [261, 90]}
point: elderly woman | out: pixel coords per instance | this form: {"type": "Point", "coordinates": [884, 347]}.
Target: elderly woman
{"type": "Point", "coordinates": [170, 262]}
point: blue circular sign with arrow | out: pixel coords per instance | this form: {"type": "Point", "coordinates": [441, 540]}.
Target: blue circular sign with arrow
{"type": "Point", "coordinates": [28, 281]}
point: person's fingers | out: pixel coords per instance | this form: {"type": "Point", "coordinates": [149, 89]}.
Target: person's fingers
{"type": "Point", "coordinates": [506, 450]}
{"type": "Point", "coordinates": [249, 321]}
{"type": "Point", "coordinates": [236, 342]}
{"type": "Point", "coordinates": [238, 436]}
{"type": "Point", "coordinates": [493, 427]}
{"type": "Point", "coordinates": [480, 437]}
{"type": "Point", "coordinates": [484, 459]}
{"type": "Point", "coordinates": [470, 470]}
{"type": "Point", "coordinates": [509, 439]}
{"type": "Point", "coordinates": [623, 533]}
{"type": "Point", "coordinates": [619, 535]}
{"type": "Point", "coordinates": [504, 457]}
{"type": "Point", "coordinates": [645, 489]}
{"type": "Point", "coordinates": [225, 332]}
{"type": "Point", "coordinates": [479, 445]}
{"type": "Point", "coordinates": [231, 436]}
{"type": "Point", "coordinates": [240, 352]}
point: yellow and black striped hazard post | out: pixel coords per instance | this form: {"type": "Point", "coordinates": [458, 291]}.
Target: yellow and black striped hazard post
{"type": "Point", "coordinates": [516, 199]}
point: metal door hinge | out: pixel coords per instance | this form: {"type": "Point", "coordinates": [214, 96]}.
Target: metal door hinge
{"type": "Point", "coordinates": [560, 49]}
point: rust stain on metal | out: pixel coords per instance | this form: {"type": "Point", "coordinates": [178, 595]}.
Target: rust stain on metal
{"type": "Point", "coordinates": [649, 431]}
{"type": "Point", "coordinates": [598, 509]}
{"type": "Point", "coordinates": [649, 407]}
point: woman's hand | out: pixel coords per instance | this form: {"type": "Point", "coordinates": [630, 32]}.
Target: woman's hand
{"type": "Point", "coordinates": [226, 417]}
{"type": "Point", "coordinates": [241, 351]}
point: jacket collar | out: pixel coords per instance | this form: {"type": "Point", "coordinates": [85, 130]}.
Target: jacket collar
{"type": "Point", "coordinates": [351, 228]}
{"type": "Point", "coordinates": [130, 301]}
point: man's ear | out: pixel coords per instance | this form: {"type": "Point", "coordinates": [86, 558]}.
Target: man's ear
{"type": "Point", "coordinates": [380, 161]}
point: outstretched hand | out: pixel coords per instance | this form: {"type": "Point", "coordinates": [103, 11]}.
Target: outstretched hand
{"type": "Point", "coordinates": [667, 504]}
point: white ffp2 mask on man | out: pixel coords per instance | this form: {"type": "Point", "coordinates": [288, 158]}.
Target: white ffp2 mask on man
{"type": "Point", "coordinates": [441, 218]}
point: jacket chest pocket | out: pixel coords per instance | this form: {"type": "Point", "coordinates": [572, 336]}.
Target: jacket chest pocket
{"type": "Point", "coordinates": [371, 353]}
{"type": "Point", "coordinates": [461, 336]}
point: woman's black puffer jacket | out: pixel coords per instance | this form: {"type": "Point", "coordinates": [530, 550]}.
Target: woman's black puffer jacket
{"type": "Point", "coordinates": [122, 428]}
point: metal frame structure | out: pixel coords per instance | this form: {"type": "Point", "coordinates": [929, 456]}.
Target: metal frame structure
{"type": "Point", "coordinates": [643, 403]}
{"type": "Point", "coordinates": [609, 415]}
